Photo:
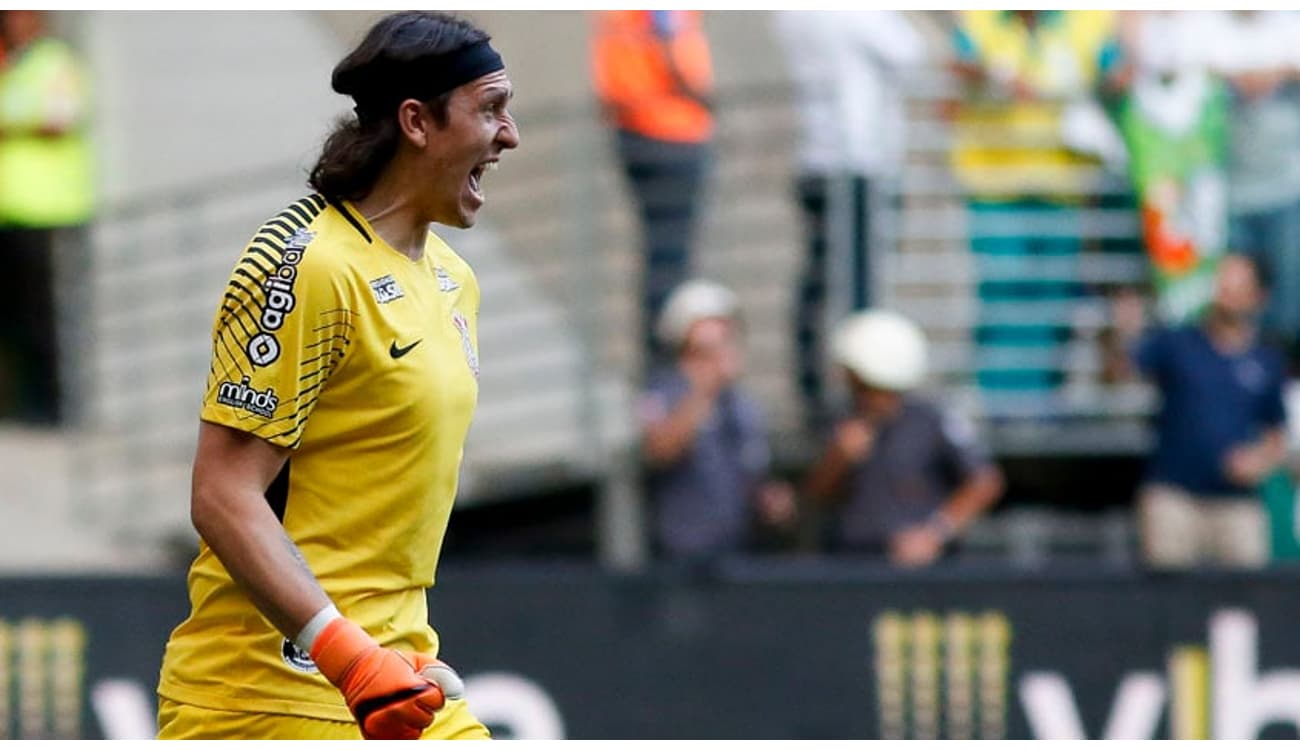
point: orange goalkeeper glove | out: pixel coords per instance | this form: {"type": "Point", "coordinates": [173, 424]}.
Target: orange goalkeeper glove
{"type": "Point", "coordinates": [383, 690]}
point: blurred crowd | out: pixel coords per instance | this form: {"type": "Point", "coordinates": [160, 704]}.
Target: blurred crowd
{"type": "Point", "coordinates": [1197, 112]}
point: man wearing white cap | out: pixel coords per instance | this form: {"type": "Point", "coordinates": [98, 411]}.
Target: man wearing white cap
{"type": "Point", "coordinates": [906, 477]}
{"type": "Point", "coordinates": [703, 437]}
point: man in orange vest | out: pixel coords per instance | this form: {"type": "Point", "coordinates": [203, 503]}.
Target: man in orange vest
{"type": "Point", "coordinates": [654, 76]}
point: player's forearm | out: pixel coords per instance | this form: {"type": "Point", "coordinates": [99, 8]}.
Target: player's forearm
{"type": "Point", "coordinates": [252, 545]}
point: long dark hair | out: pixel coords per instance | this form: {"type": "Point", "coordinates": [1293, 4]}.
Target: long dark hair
{"type": "Point", "coordinates": [361, 144]}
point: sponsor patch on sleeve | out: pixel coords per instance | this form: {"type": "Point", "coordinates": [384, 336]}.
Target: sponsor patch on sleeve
{"type": "Point", "coordinates": [243, 395]}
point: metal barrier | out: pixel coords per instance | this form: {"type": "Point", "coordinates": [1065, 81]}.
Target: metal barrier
{"type": "Point", "coordinates": [933, 260]}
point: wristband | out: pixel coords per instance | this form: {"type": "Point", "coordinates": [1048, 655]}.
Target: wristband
{"type": "Point", "coordinates": [312, 630]}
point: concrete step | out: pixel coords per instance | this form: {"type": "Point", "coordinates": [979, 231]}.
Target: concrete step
{"type": "Point", "coordinates": [43, 526]}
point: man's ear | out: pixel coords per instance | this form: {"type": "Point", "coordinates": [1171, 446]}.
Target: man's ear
{"type": "Point", "coordinates": [414, 123]}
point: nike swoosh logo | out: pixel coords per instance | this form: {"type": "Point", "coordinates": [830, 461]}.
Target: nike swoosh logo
{"type": "Point", "coordinates": [397, 352]}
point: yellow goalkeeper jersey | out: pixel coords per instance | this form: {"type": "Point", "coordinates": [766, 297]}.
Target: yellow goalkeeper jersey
{"type": "Point", "coordinates": [362, 361]}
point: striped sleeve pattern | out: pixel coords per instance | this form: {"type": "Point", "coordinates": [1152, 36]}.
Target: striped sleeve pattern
{"type": "Point", "coordinates": [283, 326]}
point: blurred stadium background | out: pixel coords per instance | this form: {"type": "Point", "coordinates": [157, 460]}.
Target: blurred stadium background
{"type": "Point", "coordinates": [1045, 626]}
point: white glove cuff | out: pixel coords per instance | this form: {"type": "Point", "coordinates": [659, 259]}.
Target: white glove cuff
{"type": "Point", "coordinates": [307, 638]}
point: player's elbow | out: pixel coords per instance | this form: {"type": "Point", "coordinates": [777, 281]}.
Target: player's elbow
{"type": "Point", "coordinates": [211, 507]}
{"type": "Point", "coordinates": [203, 505]}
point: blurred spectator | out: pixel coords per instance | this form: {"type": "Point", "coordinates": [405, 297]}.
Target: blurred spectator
{"type": "Point", "coordinates": [1024, 71]}
{"type": "Point", "coordinates": [1220, 432]}
{"type": "Point", "coordinates": [909, 476]}
{"type": "Point", "coordinates": [703, 436]}
{"type": "Point", "coordinates": [1261, 57]}
{"type": "Point", "coordinates": [848, 70]}
{"type": "Point", "coordinates": [45, 188]}
{"type": "Point", "coordinates": [1174, 122]}
{"type": "Point", "coordinates": [654, 76]}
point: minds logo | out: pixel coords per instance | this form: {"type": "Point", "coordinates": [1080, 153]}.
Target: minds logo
{"type": "Point", "coordinates": [264, 348]}
{"type": "Point", "coordinates": [242, 395]}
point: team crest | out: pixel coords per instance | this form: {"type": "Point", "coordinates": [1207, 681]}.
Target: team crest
{"type": "Point", "coordinates": [445, 282]}
{"type": "Point", "coordinates": [297, 658]}
{"type": "Point", "coordinates": [466, 343]}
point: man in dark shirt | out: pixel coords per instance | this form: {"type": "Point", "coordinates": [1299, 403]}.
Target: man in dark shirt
{"type": "Point", "coordinates": [1220, 431]}
{"type": "Point", "coordinates": [703, 437]}
{"type": "Point", "coordinates": [907, 477]}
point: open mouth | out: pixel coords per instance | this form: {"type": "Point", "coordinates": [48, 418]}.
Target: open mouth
{"type": "Point", "coordinates": [476, 176]}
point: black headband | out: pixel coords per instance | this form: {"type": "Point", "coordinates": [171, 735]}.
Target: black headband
{"type": "Point", "coordinates": [426, 78]}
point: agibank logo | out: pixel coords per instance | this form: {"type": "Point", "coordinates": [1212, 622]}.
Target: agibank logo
{"type": "Point", "coordinates": [264, 348]}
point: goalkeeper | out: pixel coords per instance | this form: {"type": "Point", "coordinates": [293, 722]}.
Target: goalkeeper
{"type": "Point", "coordinates": [343, 380]}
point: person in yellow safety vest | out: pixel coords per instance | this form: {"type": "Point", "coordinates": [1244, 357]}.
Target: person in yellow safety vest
{"type": "Point", "coordinates": [653, 74]}
{"type": "Point", "coordinates": [45, 187]}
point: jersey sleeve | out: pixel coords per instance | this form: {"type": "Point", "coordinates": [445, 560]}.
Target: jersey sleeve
{"type": "Point", "coordinates": [284, 325]}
